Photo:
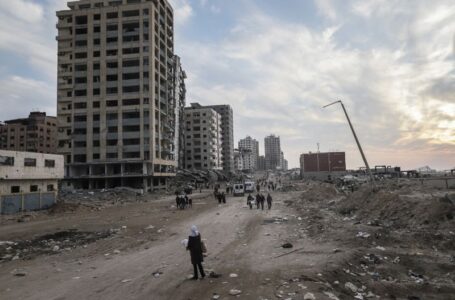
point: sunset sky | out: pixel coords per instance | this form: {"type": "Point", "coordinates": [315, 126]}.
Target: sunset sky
{"type": "Point", "coordinates": [277, 63]}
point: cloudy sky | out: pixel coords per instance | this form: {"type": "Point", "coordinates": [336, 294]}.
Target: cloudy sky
{"type": "Point", "coordinates": [277, 62]}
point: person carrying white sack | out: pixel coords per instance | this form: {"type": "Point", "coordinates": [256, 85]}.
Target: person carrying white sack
{"type": "Point", "coordinates": [196, 248]}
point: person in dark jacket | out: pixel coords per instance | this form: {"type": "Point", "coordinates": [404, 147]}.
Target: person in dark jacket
{"type": "Point", "coordinates": [195, 248]}
{"type": "Point", "coordinates": [262, 198]}
{"type": "Point", "coordinates": [269, 201]}
{"type": "Point", "coordinates": [249, 201]}
{"type": "Point", "coordinates": [258, 201]}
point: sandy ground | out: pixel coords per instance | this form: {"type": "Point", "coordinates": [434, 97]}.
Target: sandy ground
{"type": "Point", "coordinates": [140, 263]}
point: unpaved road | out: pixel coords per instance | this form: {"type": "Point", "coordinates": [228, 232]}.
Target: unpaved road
{"type": "Point", "coordinates": [240, 241]}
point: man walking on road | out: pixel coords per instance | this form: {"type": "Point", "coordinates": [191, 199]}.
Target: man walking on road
{"type": "Point", "coordinates": [269, 201]}
{"type": "Point", "coordinates": [258, 201]}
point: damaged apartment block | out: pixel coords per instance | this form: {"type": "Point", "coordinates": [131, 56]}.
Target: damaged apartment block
{"type": "Point", "coordinates": [118, 103]}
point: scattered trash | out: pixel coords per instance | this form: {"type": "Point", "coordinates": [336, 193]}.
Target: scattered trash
{"type": "Point", "coordinates": [363, 235]}
{"type": "Point", "coordinates": [287, 245]}
{"type": "Point", "coordinates": [214, 275]}
{"type": "Point", "coordinates": [350, 286]}
{"type": "Point", "coordinates": [19, 273]}
{"type": "Point", "coordinates": [233, 275]}
{"type": "Point", "coordinates": [235, 292]}
{"type": "Point", "coordinates": [309, 296]}
{"type": "Point", "coordinates": [331, 296]}
{"type": "Point", "coordinates": [126, 280]}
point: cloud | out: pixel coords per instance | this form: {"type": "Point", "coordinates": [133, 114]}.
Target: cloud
{"type": "Point", "coordinates": [24, 10]}
{"type": "Point", "coordinates": [34, 43]}
{"type": "Point", "coordinates": [278, 74]}
{"type": "Point", "coordinates": [182, 11]}
{"type": "Point", "coordinates": [21, 95]}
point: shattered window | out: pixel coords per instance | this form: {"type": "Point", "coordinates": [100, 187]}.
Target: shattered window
{"type": "Point", "coordinates": [6, 160]}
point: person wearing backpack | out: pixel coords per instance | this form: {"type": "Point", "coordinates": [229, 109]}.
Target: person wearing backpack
{"type": "Point", "coordinates": [196, 248]}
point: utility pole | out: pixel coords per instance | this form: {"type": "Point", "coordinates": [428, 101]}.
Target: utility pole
{"type": "Point", "coordinates": [356, 139]}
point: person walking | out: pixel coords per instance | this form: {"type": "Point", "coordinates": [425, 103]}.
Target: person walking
{"type": "Point", "coordinates": [269, 201]}
{"type": "Point", "coordinates": [258, 200]}
{"type": "Point", "coordinates": [262, 201]}
{"type": "Point", "coordinates": [223, 197]}
{"type": "Point", "coordinates": [249, 201]}
{"type": "Point", "coordinates": [195, 248]}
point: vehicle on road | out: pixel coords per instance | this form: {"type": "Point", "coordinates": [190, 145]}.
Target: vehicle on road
{"type": "Point", "coordinates": [239, 189]}
{"type": "Point", "coordinates": [249, 186]}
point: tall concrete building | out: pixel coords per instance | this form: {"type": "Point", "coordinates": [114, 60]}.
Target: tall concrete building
{"type": "Point", "coordinates": [251, 147]}
{"type": "Point", "coordinates": [261, 163]}
{"type": "Point", "coordinates": [37, 133]}
{"type": "Point", "coordinates": [180, 98]}
{"type": "Point", "coordinates": [203, 149]}
{"type": "Point", "coordinates": [272, 152]}
{"type": "Point", "coordinates": [116, 94]}
{"type": "Point", "coordinates": [227, 132]}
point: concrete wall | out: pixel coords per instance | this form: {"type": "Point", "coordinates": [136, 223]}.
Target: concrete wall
{"type": "Point", "coordinates": [11, 204]}
{"type": "Point", "coordinates": [20, 172]}
{"type": "Point", "coordinates": [24, 185]}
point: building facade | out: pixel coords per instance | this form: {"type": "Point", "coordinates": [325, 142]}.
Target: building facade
{"type": "Point", "coordinates": [272, 152]}
{"type": "Point", "coordinates": [261, 163]}
{"type": "Point", "coordinates": [203, 150]}
{"type": "Point", "coordinates": [227, 132]}
{"type": "Point", "coordinates": [321, 165]}
{"type": "Point", "coordinates": [250, 147]}
{"type": "Point", "coordinates": [37, 133]}
{"type": "Point", "coordinates": [116, 95]}
{"type": "Point", "coordinates": [28, 180]}
{"type": "Point", "coordinates": [180, 98]}
{"type": "Point", "coordinates": [238, 160]}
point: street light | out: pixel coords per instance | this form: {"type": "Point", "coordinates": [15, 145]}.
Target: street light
{"type": "Point", "coordinates": [355, 137]}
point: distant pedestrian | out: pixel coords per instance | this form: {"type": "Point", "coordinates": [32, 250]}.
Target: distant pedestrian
{"type": "Point", "coordinates": [269, 201]}
{"type": "Point", "coordinates": [258, 188]}
{"type": "Point", "coordinates": [258, 201]}
{"type": "Point", "coordinates": [220, 198]}
{"type": "Point", "coordinates": [190, 203]}
{"type": "Point", "coordinates": [249, 201]}
{"type": "Point", "coordinates": [262, 198]}
{"type": "Point", "coordinates": [177, 201]}
{"type": "Point", "coordinates": [223, 197]}
{"type": "Point", "coordinates": [195, 248]}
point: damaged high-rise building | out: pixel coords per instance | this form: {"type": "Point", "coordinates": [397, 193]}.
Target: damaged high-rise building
{"type": "Point", "coordinates": [118, 97]}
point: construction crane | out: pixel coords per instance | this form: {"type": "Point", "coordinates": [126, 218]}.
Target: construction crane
{"type": "Point", "coordinates": [356, 140]}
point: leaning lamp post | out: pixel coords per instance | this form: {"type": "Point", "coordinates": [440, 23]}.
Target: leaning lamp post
{"type": "Point", "coordinates": [356, 139]}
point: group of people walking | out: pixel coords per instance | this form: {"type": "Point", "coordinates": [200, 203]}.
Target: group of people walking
{"type": "Point", "coordinates": [195, 245]}
{"type": "Point", "coordinates": [183, 201]}
{"type": "Point", "coordinates": [259, 201]}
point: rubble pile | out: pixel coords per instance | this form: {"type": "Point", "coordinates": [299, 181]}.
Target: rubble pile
{"type": "Point", "coordinates": [102, 197]}
{"type": "Point", "coordinates": [186, 178]}
{"type": "Point", "coordinates": [48, 244]}
{"type": "Point", "coordinates": [401, 206]}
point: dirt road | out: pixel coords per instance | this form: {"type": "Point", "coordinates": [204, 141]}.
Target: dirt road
{"type": "Point", "coordinates": [237, 239]}
{"type": "Point", "coordinates": [143, 258]}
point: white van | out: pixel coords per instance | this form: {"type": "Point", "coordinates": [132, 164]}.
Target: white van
{"type": "Point", "coordinates": [239, 189]}
{"type": "Point", "coordinates": [249, 187]}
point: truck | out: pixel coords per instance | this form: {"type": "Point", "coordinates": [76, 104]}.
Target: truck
{"type": "Point", "coordinates": [249, 186]}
